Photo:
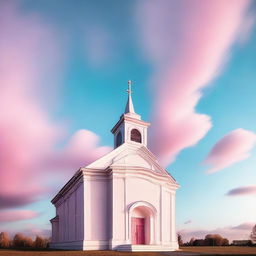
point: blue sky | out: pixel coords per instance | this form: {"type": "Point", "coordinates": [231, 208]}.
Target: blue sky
{"type": "Point", "coordinates": [88, 50]}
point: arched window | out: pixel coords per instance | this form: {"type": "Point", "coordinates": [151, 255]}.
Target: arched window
{"type": "Point", "coordinates": [135, 135]}
{"type": "Point", "coordinates": [118, 139]}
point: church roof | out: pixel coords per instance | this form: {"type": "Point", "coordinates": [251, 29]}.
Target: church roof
{"type": "Point", "coordinates": [128, 157]}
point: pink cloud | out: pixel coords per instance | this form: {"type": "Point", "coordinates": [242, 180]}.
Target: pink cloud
{"type": "Point", "coordinates": [17, 215]}
{"type": "Point", "coordinates": [187, 43]}
{"type": "Point", "coordinates": [232, 148]}
{"type": "Point", "coordinates": [241, 231]}
{"type": "Point", "coordinates": [28, 51]}
{"type": "Point", "coordinates": [31, 66]}
{"type": "Point", "coordinates": [82, 149]}
{"type": "Point", "coordinates": [242, 191]}
{"type": "Point", "coordinates": [246, 226]}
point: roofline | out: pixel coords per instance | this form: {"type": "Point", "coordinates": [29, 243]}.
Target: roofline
{"type": "Point", "coordinates": [127, 118]}
{"type": "Point", "coordinates": [56, 218]}
{"type": "Point", "coordinates": [66, 187]}
{"type": "Point", "coordinates": [99, 171]}
{"type": "Point", "coordinates": [145, 171]}
{"type": "Point", "coordinates": [155, 159]}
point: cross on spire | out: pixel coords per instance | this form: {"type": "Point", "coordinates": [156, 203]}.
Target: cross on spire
{"type": "Point", "coordinates": [129, 106]}
{"type": "Point", "coordinates": [129, 90]}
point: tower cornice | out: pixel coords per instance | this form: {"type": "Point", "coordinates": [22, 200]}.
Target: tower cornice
{"type": "Point", "coordinates": [127, 118]}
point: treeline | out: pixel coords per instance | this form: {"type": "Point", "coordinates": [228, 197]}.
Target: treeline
{"type": "Point", "coordinates": [22, 241]}
{"type": "Point", "coordinates": [209, 240]}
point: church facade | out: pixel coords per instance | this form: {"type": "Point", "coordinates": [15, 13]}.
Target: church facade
{"type": "Point", "coordinates": [123, 201]}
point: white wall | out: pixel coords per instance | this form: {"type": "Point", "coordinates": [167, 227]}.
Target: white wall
{"type": "Point", "coordinates": [128, 190]}
{"type": "Point", "coordinates": [96, 209]}
{"type": "Point", "coordinates": [70, 212]}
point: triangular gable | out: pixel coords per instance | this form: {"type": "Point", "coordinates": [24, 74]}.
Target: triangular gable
{"type": "Point", "coordinates": [130, 155]}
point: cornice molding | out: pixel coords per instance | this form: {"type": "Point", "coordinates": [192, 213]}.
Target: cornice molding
{"type": "Point", "coordinates": [129, 119]}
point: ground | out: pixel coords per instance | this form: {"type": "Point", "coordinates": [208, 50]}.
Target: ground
{"type": "Point", "coordinates": [221, 250]}
{"type": "Point", "coordinates": [184, 251]}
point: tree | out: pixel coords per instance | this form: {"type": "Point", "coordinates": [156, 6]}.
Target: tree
{"type": "Point", "coordinates": [253, 235]}
{"type": "Point", "coordinates": [20, 240]}
{"type": "Point", "coordinates": [215, 240]}
{"type": "Point", "coordinates": [28, 242]}
{"type": "Point", "coordinates": [41, 242]}
{"type": "Point", "coordinates": [4, 240]}
{"type": "Point", "coordinates": [199, 242]}
{"type": "Point", "coordinates": [191, 242]}
{"type": "Point", "coordinates": [180, 242]}
{"type": "Point", "coordinates": [225, 241]}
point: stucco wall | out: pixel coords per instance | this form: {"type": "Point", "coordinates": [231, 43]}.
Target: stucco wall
{"type": "Point", "coordinates": [96, 213]}
{"type": "Point", "coordinates": [131, 189]}
{"type": "Point", "coordinates": [70, 212]}
{"type": "Point", "coordinates": [96, 209]}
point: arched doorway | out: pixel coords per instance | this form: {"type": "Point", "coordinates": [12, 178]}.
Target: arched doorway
{"type": "Point", "coordinates": [142, 223]}
{"type": "Point", "coordinates": [139, 219]}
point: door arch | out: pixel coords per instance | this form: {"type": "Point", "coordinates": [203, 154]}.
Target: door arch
{"type": "Point", "coordinates": [142, 223]}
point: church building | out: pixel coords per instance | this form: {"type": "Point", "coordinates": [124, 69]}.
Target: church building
{"type": "Point", "coordinates": [123, 201]}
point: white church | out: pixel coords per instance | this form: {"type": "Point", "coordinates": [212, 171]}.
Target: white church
{"type": "Point", "coordinates": [123, 201]}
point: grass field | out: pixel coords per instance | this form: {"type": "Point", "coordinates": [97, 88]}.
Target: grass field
{"type": "Point", "coordinates": [221, 250]}
{"type": "Point", "coordinates": [189, 251]}
{"type": "Point", "coordinates": [75, 253]}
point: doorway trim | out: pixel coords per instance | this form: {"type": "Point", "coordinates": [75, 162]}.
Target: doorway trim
{"type": "Point", "coordinates": [152, 214]}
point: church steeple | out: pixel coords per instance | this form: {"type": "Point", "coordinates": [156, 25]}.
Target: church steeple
{"type": "Point", "coordinates": [129, 105]}
{"type": "Point", "coordinates": [129, 109]}
{"type": "Point", "coordinates": [130, 128]}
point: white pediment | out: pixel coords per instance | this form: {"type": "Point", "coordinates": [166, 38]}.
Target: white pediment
{"type": "Point", "coordinates": [133, 160]}
{"type": "Point", "coordinates": [129, 155]}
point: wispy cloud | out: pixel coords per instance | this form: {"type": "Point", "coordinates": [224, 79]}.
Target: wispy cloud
{"type": "Point", "coordinates": [188, 222]}
{"type": "Point", "coordinates": [244, 226]}
{"type": "Point", "coordinates": [241, 231]}
{"type": "Point", "coordinates": [232, 148]}
{"type": "Point", "coordinates": [242, 191]}
{"type": "Point", "coordinates": [82, 149]}
{"type": "Point", "coordinates": [30, 51]}
{"type": "Point", "coordinates": [17, 215]}
{"type": "Point", "coordinates": [186, 55]}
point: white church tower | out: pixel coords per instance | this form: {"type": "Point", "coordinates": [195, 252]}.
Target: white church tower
{"type": "Point", "coordinates": [123, 201]}
{"type": "Point", "coordinates": [130, 128]}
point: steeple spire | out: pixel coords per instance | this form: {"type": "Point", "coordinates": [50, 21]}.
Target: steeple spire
{"type": "Point", "coordinates": [129, 105]}
{"type": "Point", "coordinates": [130, 128]}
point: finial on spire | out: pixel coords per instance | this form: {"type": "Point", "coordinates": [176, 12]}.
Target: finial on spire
{"type": "Point", "coordinates": [129, 106]}
{"type": "Point", "coordinates": [129, 90]}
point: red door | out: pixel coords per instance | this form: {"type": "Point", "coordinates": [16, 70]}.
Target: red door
{"type": "Point", "coordinates": [138, 231]}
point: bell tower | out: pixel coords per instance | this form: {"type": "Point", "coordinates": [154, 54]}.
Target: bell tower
{"type": "Point", "coordinates": [130, 128]}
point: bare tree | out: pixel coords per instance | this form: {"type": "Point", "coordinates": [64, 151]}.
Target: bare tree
{"type": "Point", "coordinates": [20, 240]}
{"type": "Point", "coordinates": [180, 242]}
{"type": "Point", "coordinates": [192, 240]}
{"type": "Point", "coordinates": [41, 242]}
{"type": "Point", "coordinates": [4, 240]}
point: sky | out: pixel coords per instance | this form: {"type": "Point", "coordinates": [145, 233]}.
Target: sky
{"type": "Point", "coordinates": [64, 69]}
